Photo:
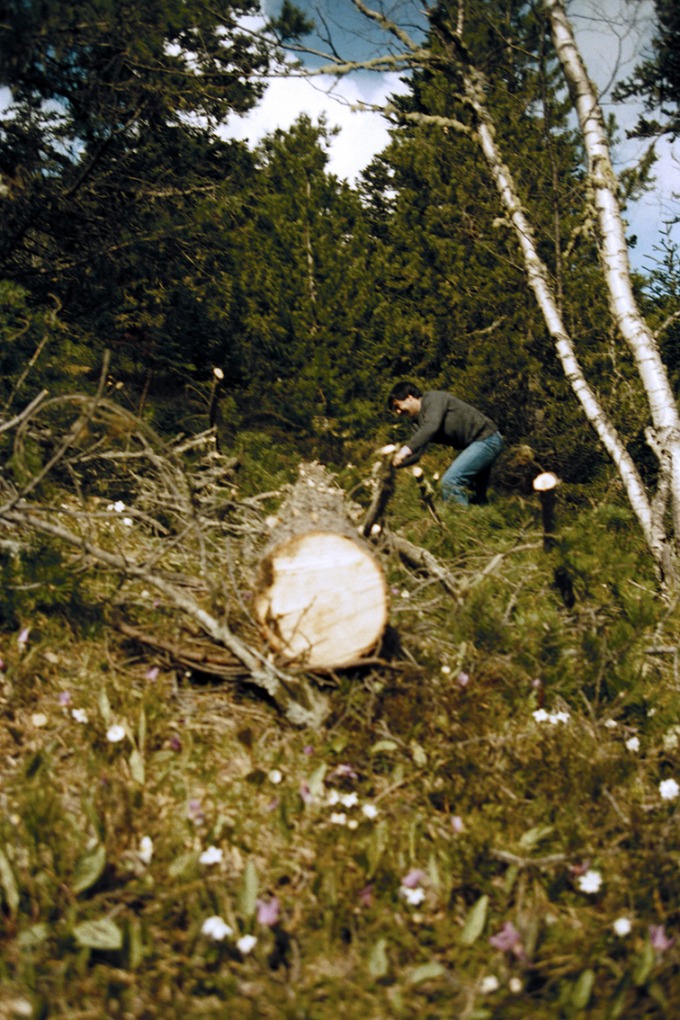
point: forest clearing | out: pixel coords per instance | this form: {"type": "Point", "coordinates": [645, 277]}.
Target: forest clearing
{"type": "Point", "coordinates": [479, 821]}
{"type": "Point", "coordinates": [285, 734]}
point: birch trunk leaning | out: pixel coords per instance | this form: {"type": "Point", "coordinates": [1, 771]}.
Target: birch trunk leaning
{"type": "Point", "coordinates": [664, 436]}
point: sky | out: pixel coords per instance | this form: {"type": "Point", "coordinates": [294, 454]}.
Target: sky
{"type": "Point", "coordinates": [610, 39]}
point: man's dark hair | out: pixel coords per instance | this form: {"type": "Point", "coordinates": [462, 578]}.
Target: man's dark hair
{"type": "Point", "coordinates": [401, 391]}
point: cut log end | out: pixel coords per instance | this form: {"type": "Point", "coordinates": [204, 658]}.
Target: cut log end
{"type": "Point", "coordinates": [322, 600]}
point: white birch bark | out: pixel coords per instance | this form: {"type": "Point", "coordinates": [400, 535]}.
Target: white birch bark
{"type": "Point", "coordinates": [539, 281]}
{"type": "Point", "coordinates": [665, 437]}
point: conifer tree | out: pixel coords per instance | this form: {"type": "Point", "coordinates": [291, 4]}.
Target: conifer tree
{"type": "Point", "coordinates": [109, 154]}
{"type": "Point", "coordinates": [304, 283]}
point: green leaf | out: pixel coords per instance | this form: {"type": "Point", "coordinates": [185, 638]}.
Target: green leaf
{"type": "Point", "coordinates": [101, 934]}
{"type": "Point", "coordinates": [136, 762]}
{"type": "Point", "coordinates": [433, 872]}
{"type": "Point", "coordinates": [582, 990]}
{"type": "Point", "coordinates": [88, 869]}
{"type": "Point", "coordinates": [384, 745]}
{"type": "Point", "coordinates": [418, 754]}
{"type": "Point", "coordinates": [376, 846]}
{"type": "Point", "coordinates": [474, 922]}
{"type": "Point", "coordinates": [426, 972]}
{"type": "Point", "coordinates": [135, 943]}
{"type": "Point", "coordinates": [34, 936]}
{"type": "Point", "coordinates": [181, 864]}
{"type": "Point", "coordinates": [141, 731]}
{"type": "Point", "coordinates": [643, 967]}
{"type": "Point", "coordinates": [104, 707]}
{"type": "Point", "coordinates": [316, 780]}
{"type": "Point", "coordinates": [533, 836]}
{"type": "Point", "coordinates": [378, 964]}
{"type": "Point", "coordinates": [9, 884]}
{"type": "Point", "coordinates": [248, 894]}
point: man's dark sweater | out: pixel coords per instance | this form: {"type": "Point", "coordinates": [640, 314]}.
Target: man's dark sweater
{"type": "Point", "coordinates": [445, 419]}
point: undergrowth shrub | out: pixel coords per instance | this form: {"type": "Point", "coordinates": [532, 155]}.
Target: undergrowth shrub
{"type": "Point", "coordinates": [484, 827]}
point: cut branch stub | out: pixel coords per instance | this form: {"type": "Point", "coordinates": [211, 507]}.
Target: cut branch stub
{"type": "Point", "coordinates": [545, 485]}
{"type": "Point", "coordinates": [322, 599]}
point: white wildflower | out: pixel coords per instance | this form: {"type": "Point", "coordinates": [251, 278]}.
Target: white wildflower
{"type": "Point", "coordinates": [338, 818]}
{"type": "Point", "coordinates": [489, 984]}
{"type": "Point", "coordinates": [127, 521]}
{"type": "Point", "coordinates": [79, 714]}
{"type": "Point", "coordinates": [611, 724]}
{"type": "Point", "coordinates": [669, 789]}
{"type": "Point", "coordinates": [369, 811]}
{"type": "Point", "coordinates": [540, 715]}
{"type": "Point", "coordinates": [275, 776]}
{"type": "Point", "coordinates": [115, 733]}
{"type": "Point", "coordinates": [247, 943]}
{"type": "Point", "coordinates": [413, 896]}
{"type": "Point", "coordinates": [145, 852]}
{"type": "Point", "coordinates": [622, 926]}
{"type": "Point", "coordinates": [213, 855]}
{"type": "Point", "coordinates": [515, 985]}
{"type": "Point", "coordinates": [349, 800]}
{"type": "Point", "coordinates": [215, 928]}
{"type": "Point", "coordinates": [557, 717]}
{"type": "Point", "coordinates": [118, 506]}
{"type": "Point", "coordinates": [633, 744]}
{"type": "Point", "coordinates": [590, 882]}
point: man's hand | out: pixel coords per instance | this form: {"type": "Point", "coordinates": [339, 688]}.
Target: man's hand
{"type": "Point", "coordinates": [402, 455]}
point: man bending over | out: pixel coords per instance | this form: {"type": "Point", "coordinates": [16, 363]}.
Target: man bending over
{"type": "Point", "coordinates": [442, 418]}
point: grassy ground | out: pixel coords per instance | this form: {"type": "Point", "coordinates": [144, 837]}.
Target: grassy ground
{"type": "Point", "coordinates": [486, 827]}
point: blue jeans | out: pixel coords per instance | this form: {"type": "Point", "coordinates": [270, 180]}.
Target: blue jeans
{"type": "Point", "coordinates": [471, 470]}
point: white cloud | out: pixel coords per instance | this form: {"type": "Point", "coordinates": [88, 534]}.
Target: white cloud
{"type": "Point", "coordinates": [362, 133]}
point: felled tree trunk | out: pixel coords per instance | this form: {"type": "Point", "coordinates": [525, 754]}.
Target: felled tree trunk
{"type": "Point", "coordinates": [321, 596]}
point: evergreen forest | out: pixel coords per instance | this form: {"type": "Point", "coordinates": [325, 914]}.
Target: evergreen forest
{"type": "Point", "coordinates": [480, 818]}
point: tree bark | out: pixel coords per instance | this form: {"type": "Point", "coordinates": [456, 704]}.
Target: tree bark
{"type": "Point", "coordinates": [616, 268]}
{"type": "Point", "coordinates": [321, 598]}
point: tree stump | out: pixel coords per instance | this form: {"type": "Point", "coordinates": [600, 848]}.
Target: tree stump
{"type": "Point", "coordinates": [321, 596]}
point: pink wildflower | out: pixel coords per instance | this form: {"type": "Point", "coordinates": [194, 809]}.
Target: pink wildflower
{"type": "Point", "coordinates": [508, 940]}
{"type": "Point", "coordinates": [268, 911]}
{"type": "Point", "coordinates": [413, 879]}
{"type": "Point", "coordinates": [152, 674]}
{"type": "Point", "coordinates": [366, 896]}
{"type": "Point", "coordinates": [195, 811]}
{"type": "Point", "coordinates": [660, 942]}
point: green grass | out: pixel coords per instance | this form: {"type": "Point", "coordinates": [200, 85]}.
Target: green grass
{"type": "Point", "coordinates": [514, 745]}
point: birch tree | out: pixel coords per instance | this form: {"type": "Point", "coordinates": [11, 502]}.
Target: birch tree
{"type": "Point", "coordinates": [657, 509]}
